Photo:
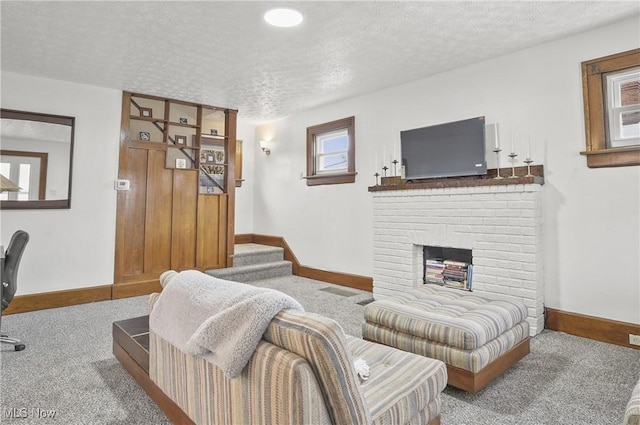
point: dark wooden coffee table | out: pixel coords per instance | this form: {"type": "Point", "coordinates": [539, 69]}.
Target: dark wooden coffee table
{"type": "Point", "coordinates": [131, 348]}
{"type": "Point", "coordinates": [132, 335]}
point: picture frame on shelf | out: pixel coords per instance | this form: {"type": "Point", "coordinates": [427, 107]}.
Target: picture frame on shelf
{"type": "Point", "coordinates": [184, 121]}
{"type": "Point", "coordinates": [181, 140]}
{"type": "Point", "coordinates": [209, 156]}
{"type": "Point", "coordinates": [145, 136]}
{"type": "Point", "coordinates": [214, 132]}
{"type": "Point", "coordinates": [146, 112]}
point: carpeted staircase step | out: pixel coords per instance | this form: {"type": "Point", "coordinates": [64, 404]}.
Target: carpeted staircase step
{"type": "Point", "coordinates": [254, 262]}
{"type": "Point", "coordinates": [253, 272]}
{"type": "Point", "coordinates": [251, 253]}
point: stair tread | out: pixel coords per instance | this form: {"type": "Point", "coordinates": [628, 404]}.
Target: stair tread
{"type": "Point", "coordinates": [253, 271]}
{"type": "Point", "coordinates": [251, 267]}
{"type": "Point", "coordinates": [251, 253]}
{"type": "Point", "coordinates": [254, 248]}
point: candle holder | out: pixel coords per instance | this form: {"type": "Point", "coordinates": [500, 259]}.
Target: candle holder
{"type": "Point", "coordinates": [497, 152]}
{"type": "Point", "coordinates": [384, 171]}
{"type": "Point", "coordinates": [513, 156]}
{"type": "Point", "coordinates": [394, 162]}
{"type": "Point", "coordinates": [377, 175]}
{"type": "Point", "coordinates": [528, 161]}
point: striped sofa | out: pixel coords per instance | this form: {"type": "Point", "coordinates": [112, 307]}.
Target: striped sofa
{"type": "Point", "coordinates": [302, 372]}
{"type": "Point", "coordinates": [632, 413]}
{"type": "Point", "coordinates": [476, 337]}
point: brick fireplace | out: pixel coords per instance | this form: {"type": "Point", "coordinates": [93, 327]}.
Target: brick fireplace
{"type": "Point", "coordinates": [500, 223]}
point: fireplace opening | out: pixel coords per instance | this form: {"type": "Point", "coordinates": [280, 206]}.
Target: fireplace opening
{"type": "Point", "coordinates": [450, 267]}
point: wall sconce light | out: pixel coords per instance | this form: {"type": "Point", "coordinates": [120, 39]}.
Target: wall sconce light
{"type": "Point", "coordinates": [265, 148]}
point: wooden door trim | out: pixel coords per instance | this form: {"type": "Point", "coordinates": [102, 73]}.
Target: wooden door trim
{"type": "Point", "coordinates": [118, 269]}
{"type": "Point", "coordinates": [230, 177]}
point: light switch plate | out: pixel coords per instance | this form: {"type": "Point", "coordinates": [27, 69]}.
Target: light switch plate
{"type": "Point", "coordinates": [122, 184]}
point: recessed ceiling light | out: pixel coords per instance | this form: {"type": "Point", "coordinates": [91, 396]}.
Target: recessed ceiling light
{"type": "Point", "coordinates": [283, 17]}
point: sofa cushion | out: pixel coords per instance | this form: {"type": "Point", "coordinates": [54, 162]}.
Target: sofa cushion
{"type": "Point", "coordinates": [472, 360]}
{"type": "Point", "coordinates": [322, 343]}
{"type": "Point", "coordinates": [403, 388]}
{"type": "Point", "coordinates": [455, 318]}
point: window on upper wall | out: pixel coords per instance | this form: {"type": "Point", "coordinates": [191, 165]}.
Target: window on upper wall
{"type": "Point", "coordinates": [331, 152]}
{"type": "Point", "coordinates": [611, 91]}
{"type": "Point", "coordinates": [623, 112]}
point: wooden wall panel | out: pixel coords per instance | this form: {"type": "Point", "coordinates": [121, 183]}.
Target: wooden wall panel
{"type": "Point", "coordinates": [211, 231]}
{"type": "Point", "coordinates": [157, 255]}
{"type": "Point", "coordinates": [223, 219]}
{"type": "Point", "coordinates": [183, 229]}
{"type": "Point", "coordinates": [208, 235]}
{"type": "Point", "coordinates": [162, 222]}
{"type": "Point", "coordinates": [134, 214]}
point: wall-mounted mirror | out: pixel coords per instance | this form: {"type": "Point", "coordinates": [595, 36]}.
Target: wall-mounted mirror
{"type": "Point", "coordinates": [36, 152]}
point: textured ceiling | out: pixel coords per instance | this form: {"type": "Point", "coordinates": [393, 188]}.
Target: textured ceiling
{"type": "Point", "coordinates": [223, 54]}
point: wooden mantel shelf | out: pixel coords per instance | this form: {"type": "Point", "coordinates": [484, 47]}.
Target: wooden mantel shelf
{"type": "Point", "coordinates": [396, 183]}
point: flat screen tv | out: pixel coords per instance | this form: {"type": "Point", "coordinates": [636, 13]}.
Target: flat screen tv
{"type": "Point", "coordinates": [444, 150]}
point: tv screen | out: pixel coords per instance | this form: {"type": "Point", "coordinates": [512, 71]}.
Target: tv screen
{"type": "Point", "coordinates": [444, 150]}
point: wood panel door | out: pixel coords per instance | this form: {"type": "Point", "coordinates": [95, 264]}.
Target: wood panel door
{"type": "Point", "coordinates": [163, 223]}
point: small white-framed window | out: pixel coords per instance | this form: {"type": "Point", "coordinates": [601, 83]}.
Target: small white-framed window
{"type": "Point", "coordinates": [610, 117]}
{"type": "Point", "coordinates": [332, 152]}
{"type": "Point", "coordinates": [623, 101]}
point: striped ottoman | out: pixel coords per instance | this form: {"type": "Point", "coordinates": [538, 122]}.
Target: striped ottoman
{"type": "Point", "coordinates": [477, 338]}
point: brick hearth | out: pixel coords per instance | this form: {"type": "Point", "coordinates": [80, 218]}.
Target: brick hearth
{"type": "Point", "coordinates": [501, 224]}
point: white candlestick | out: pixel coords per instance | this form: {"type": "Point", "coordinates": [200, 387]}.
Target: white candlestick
{"type": "Point", "coordinates": [529, 148]}
{"type": "Point", "coordinates": [497, 133]}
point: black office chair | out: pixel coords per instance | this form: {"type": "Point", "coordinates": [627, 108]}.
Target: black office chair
{"type": "Point", "coordinates": [12, 258]}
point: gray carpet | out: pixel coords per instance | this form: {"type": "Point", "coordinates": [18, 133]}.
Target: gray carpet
{"type": "Point", "coordinates": [68, 368]}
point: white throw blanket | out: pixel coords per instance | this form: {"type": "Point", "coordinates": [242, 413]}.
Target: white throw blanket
{"type": "Point", "coordinates": [217, 319]}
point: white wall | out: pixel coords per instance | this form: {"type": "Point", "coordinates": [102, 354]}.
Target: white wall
{"type": "Point", "coordinates": [591, 216]}
{"type": "Point", "coordinates": [70, 248]}
{"type": "Point", "coordinates": [75, 248]}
